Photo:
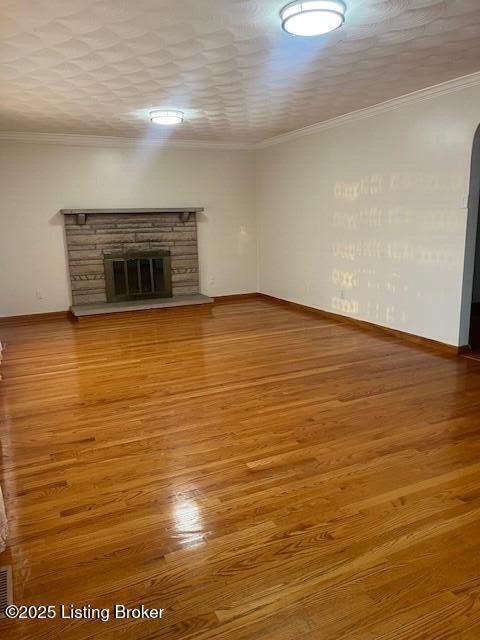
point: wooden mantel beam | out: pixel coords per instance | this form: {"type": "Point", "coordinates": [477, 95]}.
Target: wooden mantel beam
{"type": "Point", "coordinates": [183, 213]}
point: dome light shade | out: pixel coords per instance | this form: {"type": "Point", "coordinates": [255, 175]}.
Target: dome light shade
{"type": "Point", "coordinates": [313, 17]}
{"type": "Point", "coordinates": [166, 117]}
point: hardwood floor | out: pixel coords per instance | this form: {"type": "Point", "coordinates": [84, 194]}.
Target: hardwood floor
{"type": "Point", "coordinates": [255, 470]}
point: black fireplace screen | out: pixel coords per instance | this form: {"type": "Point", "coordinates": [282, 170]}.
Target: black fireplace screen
{"type": "Point", "coordinates": [133, 276]}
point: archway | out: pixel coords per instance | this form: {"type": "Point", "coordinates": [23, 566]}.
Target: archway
{"type": "Point", "coordinates": [471, 272]}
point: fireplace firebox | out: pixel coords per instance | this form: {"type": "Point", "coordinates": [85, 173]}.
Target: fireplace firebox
{"type": "Point", "coordinates": [138, 275]}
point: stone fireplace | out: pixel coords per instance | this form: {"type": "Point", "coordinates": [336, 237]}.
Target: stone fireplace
{"type": "Point", "coordinates": [138, 255]}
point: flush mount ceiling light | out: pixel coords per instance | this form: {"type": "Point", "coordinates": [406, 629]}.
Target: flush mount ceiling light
{"type": "Point", "coordinates": [166, 117]}
{"type": "Point", "coordinates": [313, 18]}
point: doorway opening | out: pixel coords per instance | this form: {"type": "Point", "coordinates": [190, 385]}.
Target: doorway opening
{"type": "Point", "coordinates": [470, 307]}
{"type": "Point", "coordinates": [475, 307]}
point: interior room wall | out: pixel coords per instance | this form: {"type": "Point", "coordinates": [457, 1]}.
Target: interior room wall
{"type": "Point", "coordinates": [37, 180]}
{"type": "Point", "coordinates": [368, 219]}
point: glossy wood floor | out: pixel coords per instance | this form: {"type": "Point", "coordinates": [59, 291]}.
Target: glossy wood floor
{"type": "Point", "coordinates": [257, 471]}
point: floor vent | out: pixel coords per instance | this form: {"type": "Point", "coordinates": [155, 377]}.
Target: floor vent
{"type": "Point", "coordinates": [6, 591]}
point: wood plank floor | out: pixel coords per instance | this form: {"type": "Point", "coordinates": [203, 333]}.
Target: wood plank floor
{"type": "Point", "coordinates": [255, 470]}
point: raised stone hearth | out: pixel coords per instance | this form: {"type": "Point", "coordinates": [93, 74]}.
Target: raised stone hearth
{"type": "Point", "coordinates": [93, 235]}
{"type": "Point", "coordinates": [83, 310]}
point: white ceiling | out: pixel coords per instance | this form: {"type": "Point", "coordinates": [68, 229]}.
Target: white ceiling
{"type": "Point", "coordinates": [99, 67]}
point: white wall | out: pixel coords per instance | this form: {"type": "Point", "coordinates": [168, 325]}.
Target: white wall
{"type": "Point", "coordinates": [36, 181]}
{"type": "Point", "coordinates": [368, 219]}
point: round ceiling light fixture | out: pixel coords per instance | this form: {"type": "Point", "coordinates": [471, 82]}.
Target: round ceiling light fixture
{"type": "Point", "coordinates": [313, 18]}
{"type": "Point", "coordinates": [166, 117]}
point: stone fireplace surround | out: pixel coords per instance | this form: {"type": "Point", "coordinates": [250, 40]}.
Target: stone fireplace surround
{"type": "Point", "coordinates": [92, 234]}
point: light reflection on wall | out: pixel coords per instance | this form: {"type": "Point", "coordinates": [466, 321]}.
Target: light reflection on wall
{"type": "Point", "coordinates": [345, 279]}
{"type": "Point", "coordinates": [243, 240]}
{"type": "Point", "coordinates": [352, 190]}
{"type": "Point", "coordinates": [379, 245]}
{"type": "Point", "coordinates": [418, 182]}
{"type": "Point", "coordinates": [348, 307]}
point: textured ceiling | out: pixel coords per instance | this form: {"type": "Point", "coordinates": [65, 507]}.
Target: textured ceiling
{"type": "Point", "coordinates": [99, 67]}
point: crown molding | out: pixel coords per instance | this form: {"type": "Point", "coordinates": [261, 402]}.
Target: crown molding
{"type": "Point", "coordinates": [451, 86]}
{"type": "Point", "coordinates": [78, 140]}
